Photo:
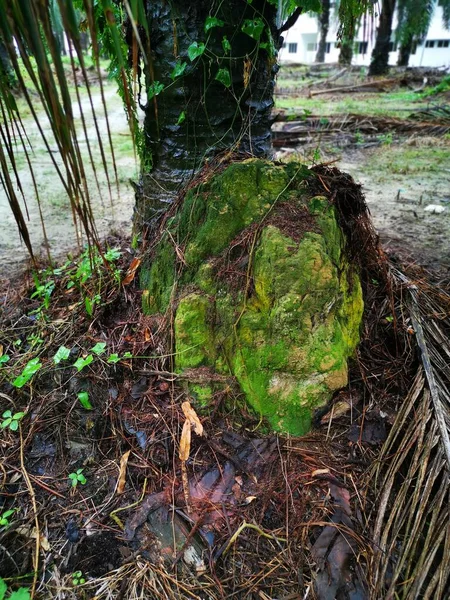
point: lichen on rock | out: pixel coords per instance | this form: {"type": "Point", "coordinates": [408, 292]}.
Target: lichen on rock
{"type": "Point", "coordinates": [264, 292]}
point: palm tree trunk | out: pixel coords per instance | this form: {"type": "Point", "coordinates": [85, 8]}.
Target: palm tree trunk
{"type": "Point", "coordinates": [6, 66]}
{"type": "Point", "coordinates": [380, 56]}
{"type": "Point", "coordinates": [324, 22]}
{"type": "Point", "coordinates": [405, 52]}
{"type": "Point", "coordinates": [222, 100]}
{"type": "Point", "coordinates": [347, 43]}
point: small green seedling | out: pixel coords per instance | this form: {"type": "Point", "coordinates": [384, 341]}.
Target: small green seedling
{"type": "Point", "coordinates": [20, 594]}
{"type": "Point", "coordinates": [6, 516]}
{"type": "Point", "coordinates": [62, 353]}
{"type": "Point", "coordinates": [11, 420]}
{"type": "Point", "coordinates": [29, 370]}
{"type": "Point", "coordinates": [77, 578]}
{"type": "Point", "coordinates": [77, 478]}
{"type": "Point", "coordinates": [83, 397]}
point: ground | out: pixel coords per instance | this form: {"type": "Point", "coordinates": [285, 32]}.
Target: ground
{"type": "Point", "coordinates": [98, 472]}
{"type": "Point", "coordinates": [402, 173]}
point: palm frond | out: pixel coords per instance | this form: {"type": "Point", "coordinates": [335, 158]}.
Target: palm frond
{"type": "Point", "coordinates": [31, 35]}
{"type": "Point", "coordinates": [412, 516]}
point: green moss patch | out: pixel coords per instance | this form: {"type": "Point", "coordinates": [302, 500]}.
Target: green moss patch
{"type": "Point", "coordinates": [286, 320]}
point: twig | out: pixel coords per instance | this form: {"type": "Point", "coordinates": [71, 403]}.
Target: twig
{"type": "Point", "coordinates": [246, 525]}
{"type": "Point", "coordinates": [36, 521]}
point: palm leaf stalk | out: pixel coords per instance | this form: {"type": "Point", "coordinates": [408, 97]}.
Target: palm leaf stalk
{"type": "Point", "coordinates": [412, 475]}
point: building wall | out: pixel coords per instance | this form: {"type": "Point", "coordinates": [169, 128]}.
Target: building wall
{"type": "Point", "coordinates": [300, 43]}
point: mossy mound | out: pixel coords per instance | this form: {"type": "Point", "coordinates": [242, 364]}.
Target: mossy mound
{"type": "Point", "coordinates": [255, 272]}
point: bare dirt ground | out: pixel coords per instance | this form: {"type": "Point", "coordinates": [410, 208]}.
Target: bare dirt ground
{"type": "Point", "coordinates": [401, 201]}
{"type": "Point", "coordinates": [111, 212]}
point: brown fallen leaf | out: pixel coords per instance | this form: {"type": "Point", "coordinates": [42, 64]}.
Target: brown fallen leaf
{"type": "Point", "coordinates": [185, 442]}
{"type": "Point", "coordinates": [337, 410]}
{"type": "Point", "coordinates": [131, 272]}
{"type": "Point", "coordinates": [192, 417]}
{"type": "Point", "coordinates": [320, 472]}
{"type": "Point", "coordinates": [123, 472]}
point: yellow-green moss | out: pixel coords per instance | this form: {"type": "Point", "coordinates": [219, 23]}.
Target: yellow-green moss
{"type": "Point", "coordinates": [287, 342]}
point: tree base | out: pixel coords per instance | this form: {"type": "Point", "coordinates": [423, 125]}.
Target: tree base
{"type": "Point", "coordinates": [252, 269]}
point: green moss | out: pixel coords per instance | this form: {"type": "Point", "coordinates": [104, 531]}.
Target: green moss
{"type": "Point", "coordinates": [158, 278]}
{"type": "Point", "coordinates": [194, 338]}
{"type": "Point", "coordinates": [287, 342]}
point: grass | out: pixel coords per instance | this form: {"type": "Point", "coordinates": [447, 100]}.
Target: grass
{"type": "Point", "coordinates": [390, 104]}
{"type": "Point", "coordinates": [403, 160]}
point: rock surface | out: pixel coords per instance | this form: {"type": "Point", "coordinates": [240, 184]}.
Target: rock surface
{"type": "Point", "coordinates": [254, 272]}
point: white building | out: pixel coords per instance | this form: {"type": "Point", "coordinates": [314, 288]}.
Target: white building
{"type": "Point", "coordinates": [300, 42]}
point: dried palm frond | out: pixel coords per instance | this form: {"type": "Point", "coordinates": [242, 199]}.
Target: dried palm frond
{"type": "Point", "coordinates": [412, 513]}
{"type": "Point", "coordinates": [31, 39]}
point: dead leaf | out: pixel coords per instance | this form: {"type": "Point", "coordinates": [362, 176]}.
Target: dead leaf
{"type": "Point", "coordinates": [32, 535]}
{"type": "Point", "coordinates": [318, 472]}
{"type": "Point", "coordinates": [191, 416]}
{"type": "Point", "coordinates": [131, 272]}
{"type": "Point", "coordinates": [185, 441]}
{"type": "Point", "coordinates": [147, 335]}
{"type": "Point", "coordinates": [123, 472]}
{"type": "Point", "coordinates": [1, 349]}
{"type": "Point", "coordinates": [337, 410]}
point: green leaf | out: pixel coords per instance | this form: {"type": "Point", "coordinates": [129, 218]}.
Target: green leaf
{"type": "Point", "coordinates": [154, 89]}
{"type": "Point", "coordinates": [195, 50]}
{"type": "Point", "coordinates": [99, 348]}
{"type": "Point", "coordinates": [6, 423]}
{"type": "Point", "coordinates": [20, 594]}
{"type": "Point", "coordinates": [62, 353]}
{"type": "Point", "coordinates": [181, 118]}
{"type": "Point", "coordinates": [212, 22]}
{"type": "Point", "coordinates": [113, 358]}
{"type": "Point", "coordinates": [113, 254]}
{"type": "Point", "coordinates": [226, 45]}
{"type": "Point", "coordinates": [4, 359]}
{"type": "Point", "coordinates": [89, 306]}
{"type": "Point", "coordinates": [3, 588]}
{"type": "Point", "coordinates": [17, 416]}
{"type": "Point", "coordinates": [223, 75]}
{"type": "Point", "coordinates": [83, 397]}
{"type": "Point", "coordinates": [253, 28]}
{"type": "Point", "coordinates": [30, 369]}
{"type": "Point", "coordinates": [14, 425]}
{"type": "Point", "coordinates": [8, 513]}
{"type": "Point", "coordinates": [127, 355]}
{"type": "Point", "coordinates": [7, 414]}
{"type": "Point", "coordinates": [178, 70]}
{"type": "Point", "coordinates": [83, 362]}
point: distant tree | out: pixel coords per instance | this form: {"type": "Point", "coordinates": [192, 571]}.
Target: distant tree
{"type": "Point", "coordinates": [414, 18]}
{"type": "Point", "coordinates": [57, 25]}
{"type": "Point", "coordinates": [7, 74]}
{"type": "Point", "coordinates": [347, 43]}
{"type": "Point", "coordinates": [380, 56]}
{"type": "Point", "coordinates": [324, 24]}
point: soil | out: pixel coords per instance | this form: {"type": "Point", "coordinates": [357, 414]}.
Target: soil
{"type": "Point", "coordinates": [398, 204]}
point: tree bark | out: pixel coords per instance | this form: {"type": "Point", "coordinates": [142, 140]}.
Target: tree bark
{"type": "Point", "coordinates": [405, 52]}
{"type": "Point", "coordinates": [347, 43]}
{"type": "Point", "coordinates": [380, 57]}
{"type": "Point", "coordinates": [324, 22]}
{"type": "Point", "coordinates": [6, 66]}
{"type": "Point", "coordinates": [197, 116]}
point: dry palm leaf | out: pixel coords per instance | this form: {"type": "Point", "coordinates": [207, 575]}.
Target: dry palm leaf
{"type": "Point", "coordinates": [412, 514]}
